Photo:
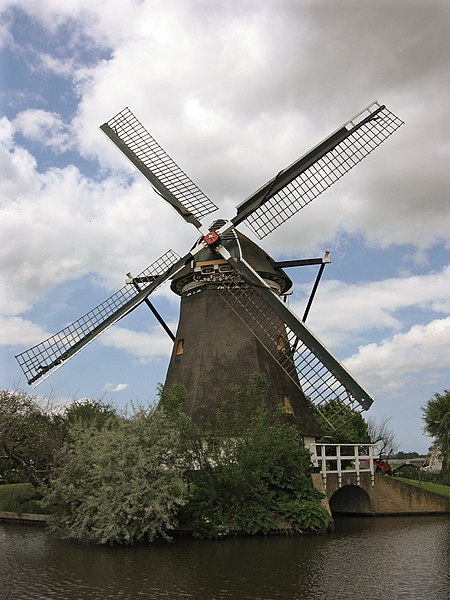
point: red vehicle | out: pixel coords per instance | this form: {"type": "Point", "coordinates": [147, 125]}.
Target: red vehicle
{"type": "Point", "coordinates": [382, 466]}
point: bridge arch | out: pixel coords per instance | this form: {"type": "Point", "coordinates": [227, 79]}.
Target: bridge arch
{"type": "Point", "coordinates": [351, 499]}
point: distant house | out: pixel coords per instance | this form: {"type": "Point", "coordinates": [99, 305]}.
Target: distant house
{"type": "Point", "coordinates": [433, 463]}
{"type": "Point", "coordinates": [408, 467]}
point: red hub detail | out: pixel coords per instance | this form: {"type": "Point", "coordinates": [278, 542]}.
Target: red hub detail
{"type": "Point", "coordinates": [211, 238]}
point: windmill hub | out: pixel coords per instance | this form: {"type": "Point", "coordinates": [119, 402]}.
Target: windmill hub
{"type": "Point", "coordinates": [212, 238]}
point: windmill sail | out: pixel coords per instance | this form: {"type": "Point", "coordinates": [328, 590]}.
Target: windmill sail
{"type": "Point", "coordinates": [41, 360]}
{"type": "Point", "coordinates": [297, 185]}
{"type": "Point", "coordinates": [284, 345]}
{"type": "Point", "coordinates": [317, 373]}
{"type": "Point", "coordinates": [131, 137]}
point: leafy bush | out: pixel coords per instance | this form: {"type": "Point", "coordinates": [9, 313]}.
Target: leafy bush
{"type": "Point", "coordinates": [118, 482]}
{"type": "Point", "coordinates": [249, 472]}
{"type": "Point", "coordinates": [306, 515]}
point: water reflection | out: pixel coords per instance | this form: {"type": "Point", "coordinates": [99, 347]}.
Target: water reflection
{"type": "Point", "coordinates": [365, 559]}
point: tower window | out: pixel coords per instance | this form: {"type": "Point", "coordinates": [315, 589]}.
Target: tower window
{"type": "Point", "coordinates": [281, 346]}
{"type": "Point", "coordinates": [180, 347]}
{"type": "Point", "coordinates": [287, 405]}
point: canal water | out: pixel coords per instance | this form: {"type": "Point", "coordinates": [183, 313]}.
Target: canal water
{"type": "Point", "coordinates": [397, 558]}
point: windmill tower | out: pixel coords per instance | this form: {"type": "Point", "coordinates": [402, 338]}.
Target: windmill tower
{"type": "Point", "coordinates": [233, 321]}
{"type": "Point", "coordinates": [213, 352]}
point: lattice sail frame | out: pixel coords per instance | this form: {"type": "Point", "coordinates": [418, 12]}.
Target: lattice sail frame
{"type": "Point", "coordinates": [148, 156]}
{"type": "Point", "coordinates": [43, 359]}
{"type": "Point", "coordinates": [320, 168]}
{"type": "Point", "coordinates": [300, 361]}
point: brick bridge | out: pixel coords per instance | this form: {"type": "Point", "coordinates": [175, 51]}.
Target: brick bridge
{"type": "Point", "coordinates": [346, 475]}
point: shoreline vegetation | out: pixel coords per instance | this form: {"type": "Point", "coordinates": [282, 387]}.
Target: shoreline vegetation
{"type": "Point", "coordinates": [15, 507]}
{"type": "Point", "coordinates": [122, 478]}
{"type": "Point", "coordinates": [109, 477]}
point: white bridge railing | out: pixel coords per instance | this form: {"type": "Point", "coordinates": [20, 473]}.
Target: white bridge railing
{"type": "Point", "coordinates": [343, 459]}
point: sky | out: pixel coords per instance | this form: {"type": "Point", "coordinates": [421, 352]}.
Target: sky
{"type": "Point", "coordinates": [234, 91]}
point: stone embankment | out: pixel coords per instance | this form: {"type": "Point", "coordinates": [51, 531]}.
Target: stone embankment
{"type": "Point", "coordinates": [392, 497]}
{"type": "Point", "coordinates": [24, 518]}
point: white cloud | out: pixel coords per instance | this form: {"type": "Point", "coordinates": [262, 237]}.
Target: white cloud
{"type": "Point", "coordinates": [17, 169]}
{"type": "Point", "coordinates": [145, 346]}
{"type": "Point", "coordinates": [115, 387]}
{"type": "Point", "coordinates": [19, 331]}
{"type": "Point", "coordinates": [232, 127]}
{"type": "Point", "coordinates": [56, 66]}
{"type": "Point", "coordinates": [6, 38]}
{"type": "Point", "coordinates": [88, 19]}
{"type": "Point", "coordinates": [44, 127]}
{"type": "Point", "coordinates": [406, 357]}
{"type": "Point", "coordinates": [344, 312]}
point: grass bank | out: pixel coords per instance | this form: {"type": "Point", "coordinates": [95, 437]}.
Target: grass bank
{"type": "Point", "coordinates": [429, 486]}
{"type": "Point", "coordinates": [15, 497]}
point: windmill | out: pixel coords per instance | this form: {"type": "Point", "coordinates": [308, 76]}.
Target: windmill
{"type": "Point", "coordinates": [233, 320]}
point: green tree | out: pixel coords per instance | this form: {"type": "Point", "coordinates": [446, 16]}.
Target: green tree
{"type": "Point", "coordinates": [340, 424]}
{"type": "Point", "coordinates": [89, 412]}
{"type": "Point", "coordinates": [120, 482]}
{"type": "Point", "coordinates": [249, 472]}
{"type": "Point", "coordinates": [436, 415]}
{"type": "Point", "coordinates": [29, 438]}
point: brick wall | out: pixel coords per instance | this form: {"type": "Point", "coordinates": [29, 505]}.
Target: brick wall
{"type": "Point", "coordinates": [318, 484]}
{"type": "Point", "coordinates": [395, 497]}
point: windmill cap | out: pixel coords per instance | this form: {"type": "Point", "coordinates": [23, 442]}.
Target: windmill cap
{"type": "Point", "coordinates": [237, 243]}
